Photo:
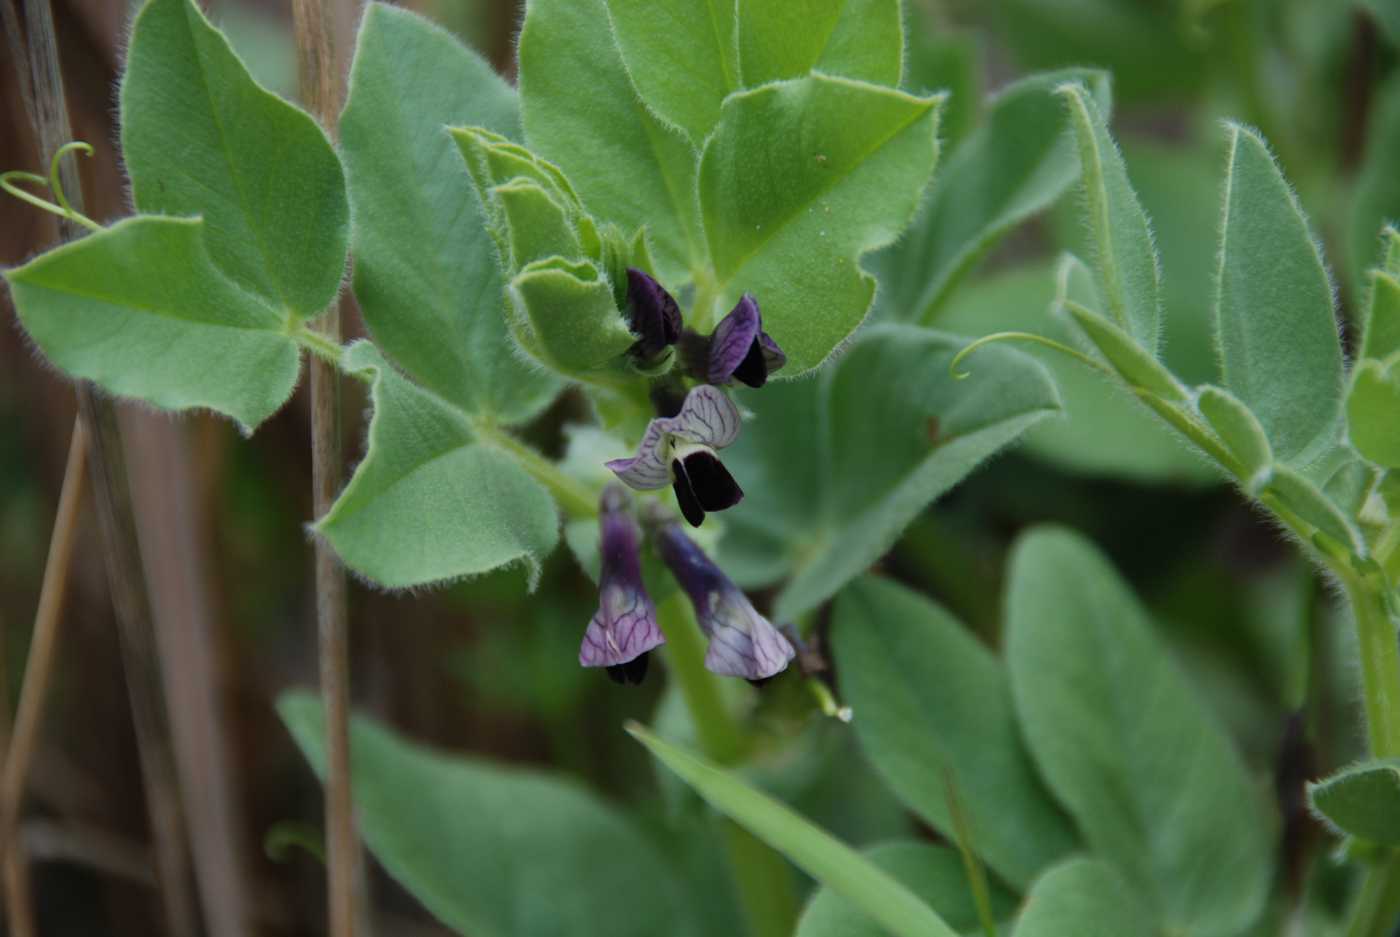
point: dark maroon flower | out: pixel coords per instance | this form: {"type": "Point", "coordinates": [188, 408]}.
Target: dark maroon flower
{"type": "Point", "coordinates": [742, 642]}
{"type": "Point", "coordinates": [624, 629]}
{"type": "Point", "coordinates": [652, 315]}
{"type": "Point", "coordinates": [740, 350]}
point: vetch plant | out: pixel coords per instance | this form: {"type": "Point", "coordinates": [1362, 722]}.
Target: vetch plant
{"type": "Point", "coordinates": [716, 233]}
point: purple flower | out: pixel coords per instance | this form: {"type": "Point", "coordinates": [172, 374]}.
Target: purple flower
{"type": "Point", "coordinates": [740, 350]}
{"type": "Point", "coordinates": [680, 451]}
{"type": "Point", "coordinates": [624, 629]}
{"type": "Point", "coordinates": [652, 315]}
{"type": "Point", "coordinates": [742, 642]}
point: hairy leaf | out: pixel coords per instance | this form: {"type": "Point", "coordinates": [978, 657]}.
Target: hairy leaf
{"type": "Point", "coordinates": [580, 111]}
{"type": "Point", "coordinates": [1362, 800]}
{"type": "Point", "coordinates": [425, 266]}
{"type": "Point", "coordinates": [831, 862]}
{"type": "Point", "coordinates": [855, 38]}
{"type": "Point", "coordinates": [200, 137]}
{"type": "Point", "coordinates": [1149, 775]}
{"type": "Point", "coordinates": [834, 467]}
{"type": "Point", "coordinates": [495, 851]}
{"type": "Point", "coordinates": [1372, 408]}
{"type": "Point", "coordinates": [1013, 166]}
{"type": "Point", "coordinates": [934, 706]}
{"type": "Point", "coordinates": [1125, 259]}
{"type": "Point", "coordinates": [141, 310]}
{"type": "Point", "coordinates": [1237, 427]}
{"type": "Point", "coordinates": [431, 501]}
{"type": "Point", "coordinates": [798, 181]}
{"type": "Point", "coordinates": [1274, 315]}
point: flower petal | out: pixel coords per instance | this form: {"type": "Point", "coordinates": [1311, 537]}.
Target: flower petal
{"type": "Point", "coordinates": [647, 469]}
{"type": "Point", "coordinates": [714, 488]}
{"type": "Point", "coordinates": [707, 416]}
{"type": "Point", "coordinates": [685, 495]}
{"type": "Point", "coordinates": [623, 628]}
{"type": "Point", "coordinates": [742, 642]}
{"type": "Point", "coordinates": [653, 315]}
{"type": "Point", "coordinates": [773, 357]}
{"type": "Point", "coordinates": [733, 339]}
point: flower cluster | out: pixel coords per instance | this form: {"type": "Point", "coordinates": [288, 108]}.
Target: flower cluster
{"type": "Point", "coordinates": [680, 448]}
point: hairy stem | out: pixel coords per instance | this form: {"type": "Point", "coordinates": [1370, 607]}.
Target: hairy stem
{"type": "Point", "coordinates": [1380, 667]}
{"type": "Point", "coordinates": [1377, 904]}
{"type": "Point", "coordinates": [322, 90]}
{"type": "Point", "coordinates": [761, 875]}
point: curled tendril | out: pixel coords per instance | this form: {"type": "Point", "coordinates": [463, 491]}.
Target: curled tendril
{"type": "Point", "coordinates": [1022, 337]}
{"type": "Point", "coordinates": [64, 208]}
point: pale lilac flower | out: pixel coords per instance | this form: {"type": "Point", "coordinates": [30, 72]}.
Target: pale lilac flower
{"type": "Point", "coordinates": [680, 451]}
{"type": "Point", "coordinates": [742, 642]}
{"type": "Point", "coordinates": [740, 350]}
{"type": "Point", "coordinates": [624, 629]}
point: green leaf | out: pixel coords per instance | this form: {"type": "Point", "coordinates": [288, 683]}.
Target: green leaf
{"type": "Point", "coordinates": [1154, 783]}
{"type": "Point", "coordinates": [140, 309]}
{"type": "Point", "coordinates": [861, 39]}
{"type": "Point", "coordinates": [1125, 258]}
{"type": "Point", "coordinates": [798, 181]}
{"type": "Point", "coordinates": [682, 57]}
{"type": "Point", "coordinates": [200, 137]}
{"type": "Point", "coordinates": [1381, 337]}
{"type": "Point", "coordinates": [1314, 508]}
{"type": "Point", "coordinates": [1105, 432]}
{"type": "Point", "coordinates": [425, 267]}
{"type": "Point", "coordinates": [1083, 898]}
{"type": "Point", "coordinates": [1274, 315]}
{"type": "Point", "coordinates": [538, 227]}
{"type": "Point", "coordinates": [430, 501]}
{"type": "Point", "coordinates": [1012, 167]}
{"type": "Point", "coordinates": [1375, 198]}
{"type": "Point", "coordinates": [816, 852]}
{"type": "Point", "coordinates": [941, 59]}
{"type": "Point", "coordinates": [1237, 428]}
{"type": "Point", "coordinates": [934, 873]}
{"type": "Point", "coordinates": [931, 704]}
{"type": "Point", "coordinates": [1372, 408]}
{"type": "Point", "coordinates": [1133, 363]}
{"type": "Point", "coordinates": [567, 316]}
{"type": "Point", "coordinates": [835, 467]}
{"type": "Point", "coordinates": [495, 851]}
{"type": "Point", "coordinates": [580, 111]}
{"type": "Point", "coordinates": [1362, 800]}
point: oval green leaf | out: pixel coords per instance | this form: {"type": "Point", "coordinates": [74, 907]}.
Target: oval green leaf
{"type": "Point", "coordinates": [140, 309]}
{"type": "Point", "coordinates": [1275, 319]}
{"type": "Point", "coordinates": [494, 851]}
{"type": "Point", "coordinates": [931, 704]}
{"type": "Point", "coordinates": [431, 502]}
{"type": "Point", "coordinates": [200, 137]}
{"type": "Point", "coordinates": [1149, 775]}
{"type": "Point", "coordinates": [425, 266]}
{"type": "Point", "coordinates": [1362, 801]}
{"type": "Point", "coordinates": [1084, 898]}
{"type": "Point", "coordinates": [1373, 406]}
{"type": "Point", "coordinates": [1237, 428]}
{"type": "Point", "coordinates": [856, 38]}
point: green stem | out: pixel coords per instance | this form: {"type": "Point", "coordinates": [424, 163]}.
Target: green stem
{"type": "Point", "coordinates": [1380, 666]}
{"type": "Point", "coordinates": [319, 345]}
{"type": "Point", "coordinates": [761, 875]}
{"type": "Point", "coordinates": [576, 498]}
{"type": "Point", "coordinates": [1377, 905]}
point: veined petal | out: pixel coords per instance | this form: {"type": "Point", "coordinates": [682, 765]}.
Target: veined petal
{"type": "Point", "coordinates": [742, 642]}
{"type": "Point", "coordinates": [707, 416]}
{"type": "Point", "coordinates": [624, 627]}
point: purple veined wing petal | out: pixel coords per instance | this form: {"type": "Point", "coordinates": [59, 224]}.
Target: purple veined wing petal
{"type": "Point", "coordinates": [623, 629]}
{"type": "Point", "coordinates": [650, 467]}
{"type": "Point", "coordinates": [742, 642]}
{"type": "Point", "coordinates": [733, 340]}
{"type": "Point", "coordinates": [707, 417]}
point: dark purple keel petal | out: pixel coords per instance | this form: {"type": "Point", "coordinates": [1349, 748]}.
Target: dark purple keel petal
{"type": "Point", "coordinates": [732, 340]}
{"type": "Point", "coordinates": [633, 672]}
{"type": "Point", "coordinates": [714, 488]}
{"type": "Point", "coordinates": [653, 315]}
{"type": "Point", "coordinates": [773, 357]}
{"type": "Point", "coordinates": [753, 370]}
{"type": "Point", "coordinates": [685, 495]}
